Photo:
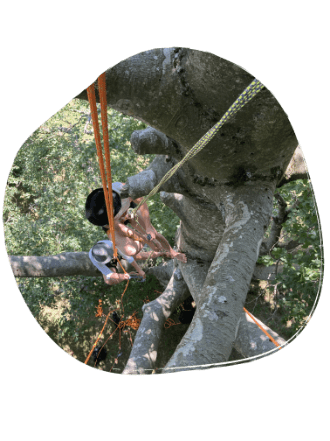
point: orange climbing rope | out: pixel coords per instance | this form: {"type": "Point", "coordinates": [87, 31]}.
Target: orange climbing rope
{"type": "Point", "coordinates": [98, 338]}
{"type": "Point", "coordinates": [106, 179]}
{"type": "Point", "coordinates": [106, 176]}
{"type": "Point", "coordinates": [100, 334]}
{"type": "Point", "coordinates": [99, 309]}
{"type": "Point", "coordinates": [263, 330]}
{"type": "Point", "coordinates": [170, 322]}
{"type": "Point", "coordinates": [132, 322]}
{"type": "Point", "coordinates": [105, 171]}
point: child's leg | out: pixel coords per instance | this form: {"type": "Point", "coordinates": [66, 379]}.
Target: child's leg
{"type": "Point", "coordinates": [115, 278]}
{"type": "Point", "coordinates": [144, 255]}
{"type": "Point", "coordinates": [167, 247]}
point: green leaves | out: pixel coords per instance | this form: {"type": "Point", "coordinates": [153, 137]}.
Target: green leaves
{"type": "Point", "coordinates": [266, 260]}
{"type": "Point", "coordinates": [44, 208]}
{"type": "Point", "coordinates": [298, 285]}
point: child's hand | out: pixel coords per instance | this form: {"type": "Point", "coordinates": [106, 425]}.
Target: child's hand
{"type": "Point", "coordinates": [137, 275]}
{"type": "Point", "coordinates": [142, 274]}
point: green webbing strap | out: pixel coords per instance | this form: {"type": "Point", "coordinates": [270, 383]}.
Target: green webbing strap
{"type": "Point", "coordinates": [244, 98]}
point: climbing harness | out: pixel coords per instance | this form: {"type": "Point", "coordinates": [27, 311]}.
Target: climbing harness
{"type": "Point", "coordinates": [101, 255]}
{"type": "Point", "coordinates": [250, 92]}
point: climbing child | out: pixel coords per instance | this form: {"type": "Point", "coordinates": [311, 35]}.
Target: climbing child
{"type": "Point", "coordinates": [129, 243]}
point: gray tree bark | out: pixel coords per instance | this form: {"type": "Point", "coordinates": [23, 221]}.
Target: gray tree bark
{"type": "Point", "coordinates": [79, 264]}
{"type": "Point", "coordinates": [64, 264]}
{"type": "Point", "coordinates": [60, 265]}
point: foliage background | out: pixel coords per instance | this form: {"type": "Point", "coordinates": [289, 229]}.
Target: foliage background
{"type": "Point", "coordinates": [43, 213]}
{"type": "Point", "coordinates": [294, 292]}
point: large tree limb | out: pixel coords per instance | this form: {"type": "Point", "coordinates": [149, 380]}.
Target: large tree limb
{"type": "Point", "coordinates": [152, 141]}
{"type": "Point", "coordinates": [79, 264]}
{"type": "Point", "coordinates": [60, 265]}
{"type": "Point", "coordinates": [182, 93]}
{"type": "Point", "coordinates": [144, 353]}
{"type": "Point", "coordinates": [142, 183]}
{"type": "Point", "coordinates": [64, 264]}
{"type": "Point", "coordinates": [250, 340]}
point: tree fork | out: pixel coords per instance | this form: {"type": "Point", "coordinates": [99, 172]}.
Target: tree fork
{"type": "Point", "coordinates": [211, 335]}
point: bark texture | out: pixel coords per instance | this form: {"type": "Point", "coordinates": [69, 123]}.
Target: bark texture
{"type": "Point", "coordinates": [60, 265]}
{"type": "Point", "coordinates": [182, 93]}
{"type": "Point", "coordinates": [144, 353]}
{"type": "Point", "coordinates": [64, 264]}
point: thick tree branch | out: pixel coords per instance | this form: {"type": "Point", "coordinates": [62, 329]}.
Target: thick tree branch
{"type": "Point", "coordinates": [182, 93]}
{"type": "Point", "coordinates": [162, 272]}
{"type": "Point", "coordinates": [64, 264]}
{"type": "Point", "coordinates": [152, 141]}
{"type": "Point", "coordinates": [142, 183]}
{"type": "Point", "coordinates": [78, 264]}
{"type": "Point", "coordinates": [60, 265]}
{"type": "Point", "coordinates": [250, 340]}
{"type": "Point", "coordinates": [144, 353]}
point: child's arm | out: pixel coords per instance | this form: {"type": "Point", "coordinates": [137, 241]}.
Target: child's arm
{"type": "Point", "coordinates": [145, 255]}
{"type": "Point", "coordinates": [145, 215]}
{"type": "Point", "coordinates": [115, 278]}
{"type": "Point", "coordinates": [128, 232]}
